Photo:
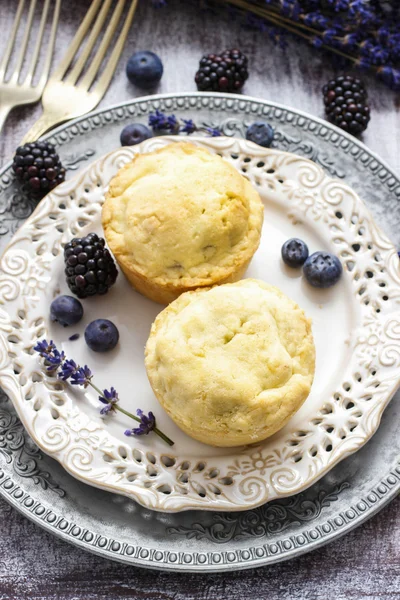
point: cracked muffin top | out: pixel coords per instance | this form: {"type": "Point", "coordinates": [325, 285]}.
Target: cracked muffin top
{"type": "Point", "coordinates": [231, 364]}
{"type": "Point", "coordinates": [182, 217]}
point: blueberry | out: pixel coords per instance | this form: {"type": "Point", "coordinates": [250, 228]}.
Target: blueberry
{"type": "Point", "coordinates": [134, 134]}
{"type": "Point", "coordinates": [101, 335]}
{"type": "Point", "coordinates": [294, 252]}
{"type": "Point", "coordinates": [322, 269]}
{"type": "Point", "coordinates": [66, 310]}
{"type": "Point", "coordinates": [144, 69]}
{"type": "Point", "coordinates": [260, 133]}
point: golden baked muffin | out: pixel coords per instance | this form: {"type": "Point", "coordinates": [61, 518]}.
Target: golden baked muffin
{"type": "Point", "coordinates": [233, 363]}
{"type": "Point", "coordinates": [181, 218]}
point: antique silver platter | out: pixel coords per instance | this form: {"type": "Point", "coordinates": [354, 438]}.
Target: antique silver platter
{"type": "Point", "coordinates": [118, 528]}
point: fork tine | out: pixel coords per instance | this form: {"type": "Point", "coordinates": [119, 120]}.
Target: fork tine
{"type": "Point", "coordinates": [91, 73]}
{"type": "Point", "coordinates": [93, 37]}
{"type": "Point", "coordinates": [7, 53]}
{"type": "Point", "coordinates": [49, 55]}
{"type": "Point", "coordinates": [24, 45]}
{"type": "Point", "coordinates": [77, 40]}
{"type": "Point", "coordinates": [36, 51]}
{"type": "Point", "coordinates": [104, 81]}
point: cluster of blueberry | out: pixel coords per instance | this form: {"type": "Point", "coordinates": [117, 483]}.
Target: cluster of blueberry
{"type": "Point", "coordinates": [321, 269]}
{"type": "Point", "coordinates": [101, 335]}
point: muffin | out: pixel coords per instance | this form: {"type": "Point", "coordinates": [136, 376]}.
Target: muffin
{"type": "Point", "coordinates": [231, 364]}
{"type": "Point", "coordinates": [181, 218]}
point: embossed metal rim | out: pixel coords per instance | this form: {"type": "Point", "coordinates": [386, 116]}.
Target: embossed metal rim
{"type": "Point", "coordinates": [209, 562]}
{"type": "Point", "coordinates": [253, 556]}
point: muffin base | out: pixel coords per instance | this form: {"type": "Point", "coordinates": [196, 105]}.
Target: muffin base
{"type": "Point", "coordinates": [165, 294]}
{"type": "Point", "coordinates": [229, 440]}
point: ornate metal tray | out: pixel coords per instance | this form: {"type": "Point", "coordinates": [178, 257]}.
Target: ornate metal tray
{"type": "Point", "coordinates": [116, 527]}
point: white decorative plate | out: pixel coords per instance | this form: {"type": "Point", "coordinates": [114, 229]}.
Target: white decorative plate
{"type": "Point", "coordinates": [356, 327]}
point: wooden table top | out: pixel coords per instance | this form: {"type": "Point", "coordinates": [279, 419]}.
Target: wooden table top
{"type": "Point", "coordinates": [365, 564]}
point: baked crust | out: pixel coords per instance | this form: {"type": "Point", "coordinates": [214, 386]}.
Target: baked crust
{"type": "Point", "coordinates": [181, 218]}
{"type": "Point", "coordinates": [231, 364]}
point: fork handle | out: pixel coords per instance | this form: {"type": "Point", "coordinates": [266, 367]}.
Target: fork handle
{"type": "Point", "coordinates": [43, 124]}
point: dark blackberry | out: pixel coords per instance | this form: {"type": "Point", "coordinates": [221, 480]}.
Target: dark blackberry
{"type": "Point", "coordinates": [39, 167]}
{"type": "Point", "coordinates": [346, 104]}
{"type": "Point", "coordinates": [224, 72]}
{"type": "Point", "coordinates": [89, 266]}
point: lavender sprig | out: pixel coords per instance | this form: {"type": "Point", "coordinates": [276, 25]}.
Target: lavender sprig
{"type": "Point", "coordinates": [53, 358]}
{"type": "Point", "coordinates": [147, 424]}
{"type": "Point", "coordinates": [69, 370]}
{"type": "Point", "coordinates": [162, 123]}
{"type": "Point", "coordinates": [110, 399]}
{"type": "Point", "coordinates": [365, 33]}
{"type": "Point", "coordinates": [82, 376]}
{"type": "Point", "coordinates": [357, 30]}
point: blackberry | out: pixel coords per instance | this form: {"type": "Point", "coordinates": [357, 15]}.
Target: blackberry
{"type": "Point", "coordinates": [224, 72]}
{"type": "Point", "coordinates": [39, 167]}
{"type": "Point", "coordinates": [89, 266]}
{"type": "Point", "coordinates": [346, 104]}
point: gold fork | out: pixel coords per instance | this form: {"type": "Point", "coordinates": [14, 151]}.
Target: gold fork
{"type": "Point", "coordinates": [12, 92]}
{"type": "Point", "coordinates": [63, 98]}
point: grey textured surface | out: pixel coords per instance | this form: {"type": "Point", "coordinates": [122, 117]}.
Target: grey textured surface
{"type": "Point", "coordinates": [364, 564]}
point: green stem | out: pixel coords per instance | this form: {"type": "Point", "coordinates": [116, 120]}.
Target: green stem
{"type": "Point", "coordinates": [131, 416]}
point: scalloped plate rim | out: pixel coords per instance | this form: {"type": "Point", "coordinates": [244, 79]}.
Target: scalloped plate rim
{"type": "Point", "coordinates": [80, 174]}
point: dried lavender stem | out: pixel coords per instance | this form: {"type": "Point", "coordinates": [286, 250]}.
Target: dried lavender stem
{"type": "Point", "coordinates": [128, 414]}
{"type": "Point", "coordinates": [268, 12]}
{"type": "Point", "coordinates": [282, 22]}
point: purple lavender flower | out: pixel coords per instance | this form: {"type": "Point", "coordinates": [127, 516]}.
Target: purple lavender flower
{"type": "Point", "coordinates": [158, 121]}
{"type": "Point", "coordinates": [172, 123]}
{"type": "Point", "coordinates": [54, 361]}
{"type": "Point", "coordinates": [109, 398]}
{"type": "Point", "coordinates": [316, 42]}
{"type": "Point", "coordinates": [291, 9]}
{"type": "Point", "coordinates": [82, 376]}
{"type": "Point", "coordinates": [77, 375]}
{"type": "Point", "coordinates": [147, 424]}
{"type": "Point", "coordinates": [390, 76]}
{"type": "Point", "coordinates": [44, 348]}
{"type": "Point", "coordinates": [68, 368]}
{"type": "Point", "coordinates": [359, 10]}
{"type": "Point", "coordinates": [315, 19]}
{"type": "Point", "coordinates": [52, 357]}
{"type": "Point", "coordinates": [329, 34]}
{"type": "Point", "coordinates": [350, 41]}
{"type": "Point", "coordinates": [189, 126]}
{"type": "Point", "coordinates": [213, 131]}
{"type": "Point", "coordinates": [363, 63]}
{"type": "Point", "coordinates": [338, 5]}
